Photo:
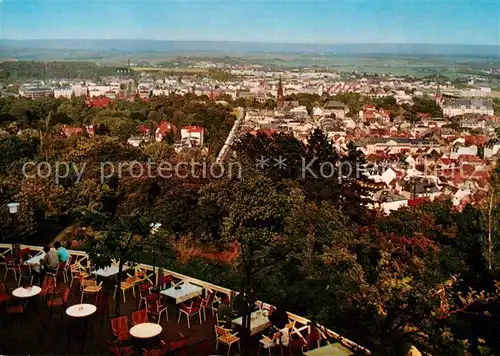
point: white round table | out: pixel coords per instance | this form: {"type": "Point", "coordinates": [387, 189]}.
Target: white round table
{"type": "Point", "coordinates": [81, 310]}
{"type": "Point", "coordinates": [29, 292]}
{"type": "Point", "coordinates": [145, 330]}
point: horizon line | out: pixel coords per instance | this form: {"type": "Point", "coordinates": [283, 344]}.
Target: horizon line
{"type": "Point", "coordinates": [253, 42]}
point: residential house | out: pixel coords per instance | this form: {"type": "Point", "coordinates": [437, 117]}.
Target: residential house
{"type": "Point", "coordinates": [69, 131]}
{"type": "Point", "coordinates": [163, 130]}
{"type": "Point", "coordinates": [389, 201]}
{"type": "Point", "coordinates": [98, 102]}
{"type": "Point", "coordinates": [192, 135]}
{"type": "Point", "coordinates": [337, 108]}
{"type": "Point", "coordinates": [136, 141]}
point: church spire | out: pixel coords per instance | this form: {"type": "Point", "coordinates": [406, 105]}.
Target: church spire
{"type": "Point", "coordinates": [438, 96]}
{"type": "Point", "coordinates": [279, 96]}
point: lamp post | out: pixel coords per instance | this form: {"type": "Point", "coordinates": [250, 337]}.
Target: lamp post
{"type": "Point", "coordinates": [13, 210]}
{"type": "Point", "coordinates": [154, 229]}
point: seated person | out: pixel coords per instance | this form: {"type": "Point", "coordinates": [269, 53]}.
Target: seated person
{"type": "Point", "coordinates": [50, 260]}
{"type": "Point", "coordinates": [243, 303]}
{"type": "Point", "coordinates": [48, 263]}
{"type": "Point", "coordinates": [238, 304]}
{"type": "Point", "coordinates": [284, 337]}
{"type": "Point", "coordinates": [62, 253]}
{"type": "Point", "coordinates": [279, 317]}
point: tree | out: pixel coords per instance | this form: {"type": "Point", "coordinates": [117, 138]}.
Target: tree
{"type": "Point", "coordinates": [114, 239]}
{"type": "Point", "coordinates": [159, 151]}
{"type": "Point", "coordinates": [13, 149]}
{"type": "Point", "coordinates": [320, 174]}
{"type": "Point", "coordinates": [30, 70]}
{"type": "Point", "coordinates": [496, 105]}
{"type": "Point", "coordinates": [323, 173]}
{"type": "Point", "coordinates": [120, 127]}
{"type": "Point", "coordinates": [252, 211]}
{"type": "Point", "coordinates": [392, 293]}
{"type": "Point", "coordinates": [493, 214]}
{"type": "Point", "coordinates": [253, 147]}
{"type": "Point", "coordinates": [356, 192]}
{"type": "Point", "coordinates": [26, 220]}
{"type": "Point", "coordinates": [169, 138]}
{"type": "Point", "coordinates": [427, 105]}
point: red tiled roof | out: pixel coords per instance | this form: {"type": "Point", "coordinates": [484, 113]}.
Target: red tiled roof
{"type": "Point", "coordinates": [415, 202]}
{"type": "Point", "coordinates": [165, 126]}
{"type": "Point", "coordinates": [446, 161]}
{"type": "Point", "coordinates": [99, 102]}
{"type": "Point", "coordinates": [475, 140]}
{"type": "Point", "coordinates": [461, 174]}
{"type": "Point", "coordinates": [458, 177]}
{"type": "Point", "coordinates": [481, 175]}
{"type": "Point", "coordinates": [469, 158]}
{"type": "Point", "coordinates": [217, 93]}
{"type": "Point", "coordinates": [386, 113]}
{"type": "Point", "coordinates": [193, 129]}
{"type": "Point", "coordinates": [400, 174]}
{"type": "Point", "coordinates": [143, 129]}
{"type": "Point", "coordinates": [467, 169]}
{"type": "Point", "coordinates": [269, 132]}
{"type": "Point", "coordinates": [375, 157]}
{"type": "Point", "coordinates": [369, 116]}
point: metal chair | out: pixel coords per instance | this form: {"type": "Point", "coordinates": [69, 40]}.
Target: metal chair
{"type": "Point", "coordinates": [189, 311]}
{"type": "Point", "coordinates": [156, 307]}
{"type": "Point", "coordinates": [224, 336]}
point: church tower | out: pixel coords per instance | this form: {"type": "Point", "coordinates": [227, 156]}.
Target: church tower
{"type": "Point", "coordinates": [438, 96]}
{"type": "Point", "coordinates": [280, 99]}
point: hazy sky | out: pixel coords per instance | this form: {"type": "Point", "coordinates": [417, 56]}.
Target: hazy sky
{"type": "Point", "coordinates": [324, 21]}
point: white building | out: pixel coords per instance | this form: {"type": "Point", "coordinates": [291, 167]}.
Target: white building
{"type": "Point", "coordinates": [35, 92]}
{"type": "Point", "coordinates": [99, 90]}
{"type": "Point", "coordinates": [63, 93]}
{"type": "Point", "coordinates": [457, 107]}
{"type": "Point", "coordinates": [79, 90]}
{"type": "Point", "coordinates": [193, 134]}
{"type": "Point", "coordinates": [335, 107]}
{"type": "Point", "coordinates": [482, 92]}
{"type": "Point", "coordinates": [136, 141]}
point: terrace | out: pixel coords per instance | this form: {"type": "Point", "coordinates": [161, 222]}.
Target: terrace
{"type": "Point", "coordinates": [38, 321]}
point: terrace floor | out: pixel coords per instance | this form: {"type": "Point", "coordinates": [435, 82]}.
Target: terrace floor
{"type": "Point", "coordinates": [36, 333]}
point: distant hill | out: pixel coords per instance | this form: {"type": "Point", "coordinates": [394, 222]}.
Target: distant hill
{"type": "Point", "coordinates": [10, 47]}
